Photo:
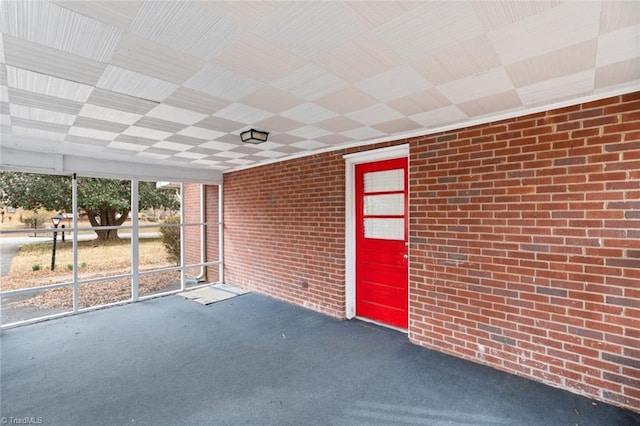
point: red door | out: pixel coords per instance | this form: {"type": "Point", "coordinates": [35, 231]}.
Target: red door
{"type": "Point", "coordinates": [381, 242]}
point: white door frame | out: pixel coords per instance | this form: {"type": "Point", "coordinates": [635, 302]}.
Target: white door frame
{"type": "Point", "coordinates": [351, 160]}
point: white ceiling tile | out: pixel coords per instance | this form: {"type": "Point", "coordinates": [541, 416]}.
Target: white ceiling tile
{"type": "Point", "coordinates": [430, 28]}
{"type": "Point", "coordinates": [135, 140]}
{"type": "Point", "coordinates": [135, 84]}
{"type": "Point", "coordinates": [51, 86]}
{"type": "Point", "coordinates": [309, 132]}
{"type": "Point", "coordinates": [241, 161]}
{"type": "Point", "coordinates": [283, 124]}
{"type": "Point", "coordinates": [200, 133]}
{"type": "Point", "coordinates": [210, 163]}
{"type": "Point", "coordinates": [285, 138]}
{"type": "Point", "coordinates": [242, 113]}
{"type": "Point", "coordinates": [271, 99]}
{"type": "Point", "coordinates": [92, 123]}
{"type": "Point", "coordinates": [310, 82]}
{"type": "Point", "coordinates": [547, 31]}
{"type": "Point", "coordinates": [154, 59]}
{"type": "Point", "coordinates": [173, 146]}
{"type": "Point", "coordinates": [418, 102]}
{"type": "Point", "coordinates": [191, 155]}
{"type": "Point", "coordinates": [478, 86]}
{"type": "Point", "coordinates": [374, 114]}
{"type": "Point", "coordinates": [126, 146]}
{"type": "Point", "coordinates": [618, 14]}
{"type": "Point", "coordinates": [195, 100]}
{"type": "Point", "coordinates": [152, 156]}
{"type": "Point", "coordinates": [257, 58]}
{"type": "Point", "coordinates": [378, 13]}
{"type": "Point", "coordinates": [4, 94]}
{"type": "Point", "coordinates": [120, 102]}
{"type": "Point", "coordinates": [165, 23]}
{"type": "Point", "coordinates": [188, 140]}
{"type": "Point", "coordinates": [308, 113]}
{"type": "Point", "coordinates": [492, 104]}
{"type": "Point", "coordinates": [38, 100]}
{"type": "Point", "coordinates": [51, 25]}
{"type": "Point", "coordinates": [346, 100]}
{"type": "Point", "coordinates": [265, 146]}
{"type": "Point", "coordinates": [564, 61]}
{"type": "Point", "coordinates": [467, 58]}
{"type": "Point", "coordinates": [92, 133]}
{"type": "Point", "coordinates": [37, 134]}
{"type": "Point", "coordinates": [222, 83]}
{"type": "Point", "coordinates": [145, 132]}
{"type": "Point", "coordinates": [176, 115]}
{"type": "Point", "coordinates": [116, 13]}
{"type": "Point", "coordinates": [361, 58]}
{"type": "Point", "coordinates": [309, 144]}
{"type": "Point", "coordinates": [108, 114]}
{"type": "Point", "coordinates": [38, 114]}
{"type": "Point", "coordinates": [339, 124]}
{"type": "Point", "coordinates": [621, 75]}
{"type": "Point", "coordinates": [230, 154]}
{"type": "Point", "coordinates": [270, 154]}
{"type": "Point", "coordinates": [401, 125]}
{"type": "Point", "coordinates": [558, 89]}
{"type": "Point", "coordinates": [38, 58]}
{"type": "Point", "coordinates": [2, 60]}
{"type": "Point", "coordinates": [220, 124]}
{"type": "Point", "coordinates": [617, 46]}
{"type": "Point", "coordinates": [498, 14]}
{"type": "Point", "coordinates": [394, 83]}
{"type": "Point", "coordinates": [245, 14]}
{"type": "Point", "coordinates": [440, 117]}
{"type": "Point", "coordinates": [363, 133]}
{"type": "Point", "coordinates": [158, 124]}
{"type": "Point", "coordinates": [218, 146]}
{"type": "Point", "coordinates": [309, 29]}
{"type": "Point", "coordinates": [41, 125]}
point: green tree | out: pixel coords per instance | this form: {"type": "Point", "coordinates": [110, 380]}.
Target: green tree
{"type": "Point", "coordinates": [107, 202]}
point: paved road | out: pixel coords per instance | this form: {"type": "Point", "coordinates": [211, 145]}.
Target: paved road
{"type": "Point", "coordinates": [9, 246]}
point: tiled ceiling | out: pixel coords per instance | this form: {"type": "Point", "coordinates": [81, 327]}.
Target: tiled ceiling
{"type": "Point", "coordinates": [172, 84]}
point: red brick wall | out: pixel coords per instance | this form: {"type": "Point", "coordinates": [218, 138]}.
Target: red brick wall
{"type": "Point", "coordinates": [191, 215]}
{"type": "Point", "coordinates": [192, 233]}
{"type": "Point", "coordinates": [525, 249]}
{"type": "Point", "coordinates": [211, 217]}
{"type": "Point", "coordinates": [284, 230]}
{"type": "Point", "coordinates": [525, 243]}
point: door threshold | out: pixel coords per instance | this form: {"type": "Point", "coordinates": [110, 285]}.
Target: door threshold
{"type": "Point", "coordinates": [382, 324]}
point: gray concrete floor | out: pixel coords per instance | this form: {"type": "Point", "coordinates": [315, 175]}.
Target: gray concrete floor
{"type": "Point", "coordinates": [252, 360]}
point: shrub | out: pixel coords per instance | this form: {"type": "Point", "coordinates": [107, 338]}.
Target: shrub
{"type": "Point", "coordinates": [70, 266]}
{"type": "Point", "coordinates": [35, 267]}
{"type": "Point", "coordinates": [170, 237]}
{"type": "Point", "coordinates": [83, 265]}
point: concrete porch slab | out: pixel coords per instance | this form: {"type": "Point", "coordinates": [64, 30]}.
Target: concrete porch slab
{"type": "Point", "coordinates": [252, 360]}
{"type": "Point", "coordinates": [213, 293]}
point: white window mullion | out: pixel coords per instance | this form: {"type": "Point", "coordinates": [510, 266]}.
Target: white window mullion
{"type": "Point", "coordinates": [182, 234]}
{"type": "Point", "coordinates": [135, 263]}
{"type": "Point", "coordinates": [74, 209]}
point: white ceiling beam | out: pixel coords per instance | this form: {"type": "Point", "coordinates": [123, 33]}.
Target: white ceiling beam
{"type": "Point", "coordinates": [51, 163]}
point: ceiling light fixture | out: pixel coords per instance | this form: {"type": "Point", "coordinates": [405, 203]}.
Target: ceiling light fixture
{"type": "Point", "coordinates": [254, 136]}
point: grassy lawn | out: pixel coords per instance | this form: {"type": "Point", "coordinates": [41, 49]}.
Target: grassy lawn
{"type": "Point", "coordinates": [31, 268]}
